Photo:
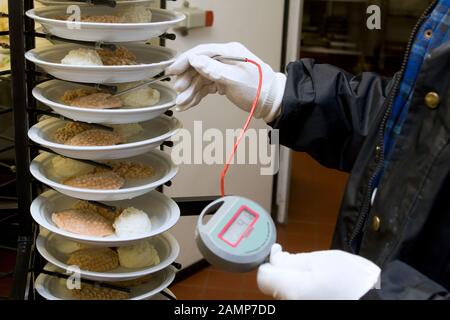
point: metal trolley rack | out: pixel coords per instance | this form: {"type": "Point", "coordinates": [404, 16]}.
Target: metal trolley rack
{"type": "Point", "coordinates": [25, 111]}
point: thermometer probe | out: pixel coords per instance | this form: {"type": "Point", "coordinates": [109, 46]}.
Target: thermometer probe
{"type": "Point", "coordinates": [239, 235]}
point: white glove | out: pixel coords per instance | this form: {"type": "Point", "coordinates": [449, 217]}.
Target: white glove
{"type": "Point", "coordinates": [319, 275]}
{"type": "Point", "coordinates": [198, 75]}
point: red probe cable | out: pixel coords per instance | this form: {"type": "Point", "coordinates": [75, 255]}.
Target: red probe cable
{"type": "Point", "coordinates": [244, 129]}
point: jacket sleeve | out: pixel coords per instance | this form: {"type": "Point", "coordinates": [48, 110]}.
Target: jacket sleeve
{"type": "Point", "coordinates": [328, 112]}
{"type": "Point", "coordinates": [399, 281]}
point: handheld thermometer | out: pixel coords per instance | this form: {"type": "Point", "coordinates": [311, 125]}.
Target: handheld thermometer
{"type": "Point", "coordinates": [238, 237]}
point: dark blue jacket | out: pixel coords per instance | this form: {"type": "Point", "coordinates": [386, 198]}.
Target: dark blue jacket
{"type": "Point", "coordinates": [339, 119]}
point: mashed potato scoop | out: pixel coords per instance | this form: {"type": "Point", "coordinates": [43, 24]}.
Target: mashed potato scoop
{"type": "Point", "coordinates": [141, 255]}
{"type": "Point", "coordinates": [65, 168]}
{"type": "Point", "coordinates": [132, 222]}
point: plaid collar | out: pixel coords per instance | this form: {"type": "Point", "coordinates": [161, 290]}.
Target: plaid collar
{"type": "Point", "coordinates": [438, 26]}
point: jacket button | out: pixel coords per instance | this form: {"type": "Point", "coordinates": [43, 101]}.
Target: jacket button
{"type": "Point", "coordinates": [376, 223]}
{"type": "Point", "coordinates": [432, 100]}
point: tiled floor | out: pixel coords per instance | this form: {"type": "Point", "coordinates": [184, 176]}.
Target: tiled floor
{"type": "Point", "coordinates": [314, 202]}
{"type": "Point", "coordinates": [213, 284]}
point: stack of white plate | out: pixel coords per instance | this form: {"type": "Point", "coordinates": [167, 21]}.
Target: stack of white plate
{"type": "Point", "coordinates": [56, 244]}
{"type": "Point", "coordinates": [52, 288]}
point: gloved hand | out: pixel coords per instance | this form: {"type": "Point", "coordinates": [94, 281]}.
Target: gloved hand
{"type": "Point", "coordinates": [198, 75]}
{"type": "Point", "coordinates": [319, 275]}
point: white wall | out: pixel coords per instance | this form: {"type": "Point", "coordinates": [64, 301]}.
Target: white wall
{"type": "Point", "coordinates": [258, 25]}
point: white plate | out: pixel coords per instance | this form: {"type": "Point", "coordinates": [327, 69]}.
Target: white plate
{"type": "Point", "coordinates": [164, 170]}
{"type": "Point", "coordinates": [61, 2]}
{"type": "Point", "coordinates": [152, 61]}
{"type": "Point", "coordinates": [50, 92]}
{"type": "Point", "coordinates": [156, 131]}
{"type": "Point", "coordinates": [53, 249]}
{"type": "Point", "coordinates": [52, 288]}
{"type": "Point", "coordinates": [162, 20]}
{"type": "Point", "coordinates": [162, 211]}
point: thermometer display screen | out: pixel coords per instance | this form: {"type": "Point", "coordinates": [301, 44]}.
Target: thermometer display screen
{"type": "Point", "coordinates": [238, 227]}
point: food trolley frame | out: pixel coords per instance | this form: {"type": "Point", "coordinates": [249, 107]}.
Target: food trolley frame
{"type": "Point", "coordinates": [23, 78]}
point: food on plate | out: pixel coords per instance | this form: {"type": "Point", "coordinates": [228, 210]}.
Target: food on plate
{"type": "Point", "coordinates": [67, 246]}
{"type": "Point", "coordinates": [92, 292]}
{"type": "Point", "coordinates": [134, 282]}
{"type": "Point", "coordinates": [91, 98]}
{"type": "Point", "coordinates": [82, 134]}
{"type": "Point", "coordinates": [131, 170]}
{"type": "Point", "coordinates": [140, 255]}
{"type": "Point", "coordinates": [143, 97]}
{"type": "Point", "coordinates": [99, 180]}
{"type": "Point", "coordinates": [65, 168]}
{"type": "Point", "coordinates": [96, 137]}
{"type": "Point", "coordinates": [82, 57]}
{"type": "Point", "coordinates": [78, 174]}
{"type": "Point", "coordinates": [70, 130]}
{"type": "Point", "coordinates": [92, 220]}
{"type": "Point", "coordinates": [91, 57]}
{"type": "Point", "coordinates": [83, 222]}
{"type": "Point", "coordinates": [98, 100]}
{"type": "Point", "coordinates": [104, 212]}
{"type": "Point", "coordinates": [91, 18]}
{"type": "Point", "coordinates": [102, 19]}
{"type": "Point", "coordinates": [128, 131]}
{"type": "Point", "coordinates": [132, 222]}
{"type": "Point", "coordinates": [71, 95]}
{"type": "Point", "coordinates": [95, 259]}
{"type": "Point", "coordinates": [119, 57]}
{"type": "Point", "coordinates": [135, 14]}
